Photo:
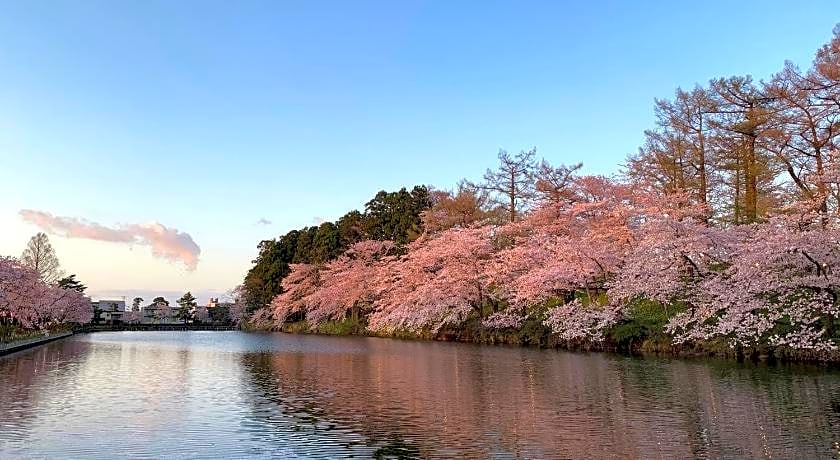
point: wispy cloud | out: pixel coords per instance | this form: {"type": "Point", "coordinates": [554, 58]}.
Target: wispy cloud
{"type": "Point", "coordinates": [318, 220]}
{"type": "Point", "coordinates": [263, 221]}
{"type": "Point", "coordinates": [166, 243]}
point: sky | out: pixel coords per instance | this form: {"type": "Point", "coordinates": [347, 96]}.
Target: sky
{"type": "Point", "coordinates": [178, 135]}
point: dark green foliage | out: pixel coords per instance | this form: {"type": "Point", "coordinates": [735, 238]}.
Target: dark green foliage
{"type": "Point", "coordinates": [303, 250]}
{"type": "Point", "coordinates": [388, 216]}
{"type": "Point", "coordinates": [646, 321]}
{"type": "Point", "coordinates": [186, 306]}
{"type": "Point", "coordinates": [395, 216]}
{"type": "Point", "coordinates": [326, 244]}
{"type": "Point", "coordinates": [263, 280]}
{"type": "Point", "coordinates": [533, 331]}
{"type": "Point", "coordinates": [352, 228]}
{"type": "Point", "coordinates": [219, 314]}
{"type": "Point", "coordinates": [347, 326]}
{"type": "Point", "coordinates": [71, 283]}
{"type": "Point", "coordinates": [97, 315]}
{"type": "Point", "coordinates": [287, 246]}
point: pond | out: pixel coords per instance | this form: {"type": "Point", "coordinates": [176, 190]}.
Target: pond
{"type": "Point", "coordinates": [235, 394]}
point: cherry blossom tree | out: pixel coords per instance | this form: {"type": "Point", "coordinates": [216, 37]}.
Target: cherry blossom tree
{"type": "Point", "coordinates": [35, 304]}
{"type": "Point", "coordinates": [576, 321]}
{"type": "Point", "coordinates": [674, 250]}
{"type": "Point", "coordinates": [582, 262]}
{"type": "Point", "coordinates": [295, 297]}
{"type": "Point", "coordinates": [780, 289]}
{"type": "Point", "coordinates": [566, 247]}
{"type": "Point", "coordinates": [440, 281]}
{"type": "Point", "coordinates": [16, 285]}
{"type": "Point", "coordinates": [348, 285]}
{"type": "Point", "coordinates": [263, 319]}
{"type": "Point", "coordinates": [236, 311]}
{"type": "Point", "coordinates": [343, 287]}
{"type": "Point", "coordinates": [508, 319]}
{"type": "Point", "coordinates": [131, 317]}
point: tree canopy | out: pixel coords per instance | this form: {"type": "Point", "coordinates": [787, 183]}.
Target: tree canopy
{"type": "Point", "coordinates": [40, 256]}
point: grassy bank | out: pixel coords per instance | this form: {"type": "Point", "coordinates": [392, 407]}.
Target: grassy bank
{"type": "Point", "coordinates": [12, 333]}
{"type": "Point", "coordinates": [9, 334]}
{"type": "Point", "coordinates": [641, 336]}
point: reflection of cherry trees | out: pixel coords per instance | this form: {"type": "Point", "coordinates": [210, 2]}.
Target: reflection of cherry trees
{"type": "Point", "coordinates": [26, 380]}
{"type": "Point", "coordinates": [309, 396]}
{"type": "Point", "coordinates": [589, 258]}
{"type": "Point", "coordinates": [477, 402]}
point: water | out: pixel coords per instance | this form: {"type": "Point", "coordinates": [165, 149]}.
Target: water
{"type": "Point", "coordinates": [234, 395]}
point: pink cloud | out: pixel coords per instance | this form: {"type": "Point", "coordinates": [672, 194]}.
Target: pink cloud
{"type": "Point", "coordinates": [166, 243]}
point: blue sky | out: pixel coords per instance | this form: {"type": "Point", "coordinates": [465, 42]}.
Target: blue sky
{"type": "Point", "coordinates": [208, 116]}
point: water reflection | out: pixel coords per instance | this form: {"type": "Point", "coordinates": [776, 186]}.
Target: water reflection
{"type": "Point", "coordinates": [22, 389]}
{"type": "Point", "coordinates": [444, 400]}
{"type": "Point", "coordinates": [233, 395]}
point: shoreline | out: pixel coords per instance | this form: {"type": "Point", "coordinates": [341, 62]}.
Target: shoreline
{"type": "Point", "coordinates": [644, 348]}
{"type": "Point", "coordinates": [20, 345]}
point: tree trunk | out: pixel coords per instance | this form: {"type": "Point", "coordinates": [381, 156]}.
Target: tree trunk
{"type": "Point", "coordinates": [751, 182]}
{"type": "Point", "coordinates": [703, 191]}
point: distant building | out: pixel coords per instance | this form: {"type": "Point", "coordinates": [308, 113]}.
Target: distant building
{"type": "Point", "coordinates": [158, 313]}
{"type": "Point", "coordinates": [214, 303]}
{"type": "Point", "coordinates": [217, 310]}
{"type": "Point", "coordinates": [108, 310]}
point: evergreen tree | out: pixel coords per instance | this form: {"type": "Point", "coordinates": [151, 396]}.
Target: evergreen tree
{"type": "Point", "coordinates": [262, 282]}
{"type": "Point", "coordinates": [186, 307]}
{"type": "Point", "coordinates": [351, 229]}
{"type": "Point", "coordinates": [71, 283]}
{"type": "Point", "coordinates": [326, 245]}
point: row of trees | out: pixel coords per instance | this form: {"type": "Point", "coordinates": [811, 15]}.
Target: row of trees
{"type": "Point", "coordinates": [723, 227]}
{"type": "Point", "coordinates": [401, 217]}
{"type": "Point", "coordinates": [746, 147]}
{"type": "Point", "coordinates": [601, 264]}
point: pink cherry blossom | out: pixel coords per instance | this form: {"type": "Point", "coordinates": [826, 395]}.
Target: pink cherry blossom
{"type": "Point", "coordinates": [35, 304]}
{"type": "Point", "coordinates": [440, 281]}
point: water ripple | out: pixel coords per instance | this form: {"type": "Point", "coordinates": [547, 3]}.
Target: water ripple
{"type": "Point", "coordinates": [196, 395]}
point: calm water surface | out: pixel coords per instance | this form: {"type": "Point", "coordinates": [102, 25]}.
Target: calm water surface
{"type": "Point", "coordinates": [233, 395]}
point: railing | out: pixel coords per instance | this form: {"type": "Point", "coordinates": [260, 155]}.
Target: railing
{"type": "Point", "coordinates": [156, 327]}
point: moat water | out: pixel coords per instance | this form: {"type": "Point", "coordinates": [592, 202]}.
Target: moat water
{"type": "Point", "coordinates": [241, 395]}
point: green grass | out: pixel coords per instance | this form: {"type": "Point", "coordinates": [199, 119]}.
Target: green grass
{"type": "Point", "coordinates": [15, 333]}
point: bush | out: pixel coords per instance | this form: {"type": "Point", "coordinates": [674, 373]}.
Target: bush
{"type": "Point", "coordinates": [645, 325]}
